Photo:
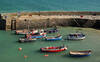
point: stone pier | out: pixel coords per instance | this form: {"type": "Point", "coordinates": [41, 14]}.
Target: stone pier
{"type": "Point", "coordinates": [48, 19]}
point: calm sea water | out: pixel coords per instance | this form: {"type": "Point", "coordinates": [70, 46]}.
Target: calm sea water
{"type": "Point", "coordinates": [9, 47]}
{"type": "Point", "coordinates": [49, 5]}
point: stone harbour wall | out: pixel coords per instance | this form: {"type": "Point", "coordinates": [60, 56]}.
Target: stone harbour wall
{"type": "Point", "coordinates": [24, 20]}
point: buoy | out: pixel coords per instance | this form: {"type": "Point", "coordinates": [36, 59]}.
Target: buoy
{"type": "Point", "coordinates": [19, 49]}
{"type": "Point", "coordinates": [46, 55]}
{"type": "Point", "coordinates": [81, 16]}
{"type": "Point", "coordinates": [25, 56]}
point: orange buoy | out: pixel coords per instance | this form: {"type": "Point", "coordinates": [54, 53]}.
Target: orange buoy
{"type": "Point", "coordinates": [46, 55]}
{"type": "Point", "coordinates": [25, 56]}
{"type": "Point", "coordinates": [19, 49]}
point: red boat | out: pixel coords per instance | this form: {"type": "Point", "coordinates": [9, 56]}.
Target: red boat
{"type": "Point", "coordinates": [54, 49]}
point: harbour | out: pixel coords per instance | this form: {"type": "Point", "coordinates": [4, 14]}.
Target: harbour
{"type": "Point", "coordinates": [9, 47]}
{"type": "Point", "coordinates": [49, 31]}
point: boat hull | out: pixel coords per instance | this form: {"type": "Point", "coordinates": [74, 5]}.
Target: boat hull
{"type": "Point", "coordinates": [74, 38]}
{"type": "Point", "coordinates": [21, 33]}
{"type": "Point", "coordinates": [24, 32]}
{"type": "Point", "coordinates": [53, 49]}
{"type": "Point", "coordinates": [54, 39]}
{"type": "Point", "coordinates": [38, 36]}
{"type": "Point", "coordinates": [26, 40]}
{"type": "Point", "coordinates": [80, 53]}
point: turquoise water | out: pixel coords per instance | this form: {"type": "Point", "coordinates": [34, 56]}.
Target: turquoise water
{"type": "Point", "coordinates": [49, 5]}
{"type": "Point", "coordinates": [9, 47]}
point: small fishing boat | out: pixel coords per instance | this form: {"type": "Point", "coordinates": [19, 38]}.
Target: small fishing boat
{"type": "Point", "coordinates": [76, 36]}
{"type": "Point", "coordinates": [53, 49]}
{"type": "Point", "coordinates": [27, 39]}
{"type": "Point", "coordinates": [23, 32]}
{"type": "Point", "coordinates": [38, 35]}
{"type": "Point", "coordinates": [80, 53]}
{"type": "Point", "coordinates": [53, 30]}
{"type": "Point", "coordinates": [59, 37]}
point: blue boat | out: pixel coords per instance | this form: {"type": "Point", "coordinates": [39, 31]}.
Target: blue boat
{"type": "Point", "coordinates": [54, 38]}
{"type": "Point", "coordinates": [80, 53]}
{"type": "Point", "coordinates": [38, 35]}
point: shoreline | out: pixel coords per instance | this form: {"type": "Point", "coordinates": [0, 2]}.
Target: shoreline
{"type": "Point", "coordinates": [75, 12]}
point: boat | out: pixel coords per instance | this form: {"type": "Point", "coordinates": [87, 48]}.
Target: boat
{"type": "Point", "coordinates": [80, 53]}
{"type": "Point", "coordinates": [53, 49]}
{"type": "Point", "coordinates": [53, 30]}
{"type": "Point", "coordinates": [23, 32]}
{"type": "Point", "coordinates": [76, 36]}
{"type": "Point", "coordinates": [38, 35]}
{"type": "Point", "coordinates": [26, 39]}
{"type": "Point", "coordinates": [59, 37]}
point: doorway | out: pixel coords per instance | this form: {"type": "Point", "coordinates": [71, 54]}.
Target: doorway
{"type": "Point", "coordinates": [13, 24]}
{"type": "Point", "coordinates": [2, 24]}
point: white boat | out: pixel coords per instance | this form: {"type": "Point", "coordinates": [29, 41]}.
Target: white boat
{"type": "Point", "coordinates": [80, 53]}
{"type": "Point", "coordinates": [76, 36]}
{"type": "Point", "coordinates": [27, 40]}
{"type": "Point", "coordinates": [22, 31]}
{"type": "Point", "coordinates": [26, 31]}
